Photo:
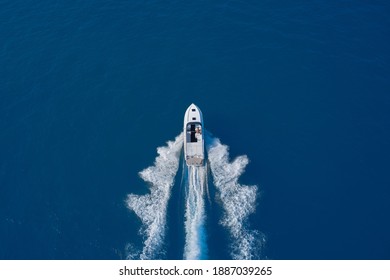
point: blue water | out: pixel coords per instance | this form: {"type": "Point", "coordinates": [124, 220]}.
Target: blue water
{"type": "Point", "coordinates": [90, 89]}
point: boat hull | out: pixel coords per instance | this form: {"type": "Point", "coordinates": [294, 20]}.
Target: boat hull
{"type": "Point", "coordinates": [193, 136]}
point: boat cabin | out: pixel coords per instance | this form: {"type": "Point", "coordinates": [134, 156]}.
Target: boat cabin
{"type": "Point", "coordinates": [194, 133]}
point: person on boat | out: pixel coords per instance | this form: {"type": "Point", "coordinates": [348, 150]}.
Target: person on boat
{"type": "Point", "coordinates": [198, 133]}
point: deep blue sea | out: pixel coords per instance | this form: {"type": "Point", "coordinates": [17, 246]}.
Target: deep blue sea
{"type": "Point", "coordinates": [90, 89]}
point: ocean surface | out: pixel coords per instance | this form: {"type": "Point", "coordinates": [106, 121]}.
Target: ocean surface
{"type": "Point", "coordinates": [295, 97]}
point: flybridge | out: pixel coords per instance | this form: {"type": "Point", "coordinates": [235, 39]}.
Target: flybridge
{"type": "Point", "coordinates": [193, 136]}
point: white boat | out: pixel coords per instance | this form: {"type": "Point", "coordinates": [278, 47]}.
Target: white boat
{"type": "Point", "coordinates": [193, 136]}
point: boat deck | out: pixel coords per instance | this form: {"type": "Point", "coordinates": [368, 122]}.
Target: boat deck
{"type": "Point", "coordinates": [194, 161]}
{"type": "Point", "coordinates": [194, 149]}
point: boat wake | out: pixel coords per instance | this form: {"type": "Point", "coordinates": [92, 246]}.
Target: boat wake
{"type": "Point", "coordinates": [238, 202]}
{"type": "Point", "coordinates": [195, 245]}
{"type": "Point", "coordinates": [152, 208]}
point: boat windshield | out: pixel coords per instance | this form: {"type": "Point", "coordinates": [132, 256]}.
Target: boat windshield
{"type": "Point", "coordinates": [194, 132]}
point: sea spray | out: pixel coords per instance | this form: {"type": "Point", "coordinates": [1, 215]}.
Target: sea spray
{"type": "Point", "coordinates": [152, 208]}
{"type": "Point", "coordinates": [238, 201]}
{"type": "Point", "coordinates": [195, 242]}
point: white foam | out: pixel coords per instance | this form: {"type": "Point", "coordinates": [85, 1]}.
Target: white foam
{"type": "Point", "coordinates": [238, 201]}
{"type": "Point", "coordinates": [152, 208]}
{"type": "Point", "coordinates": [195, 242]}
